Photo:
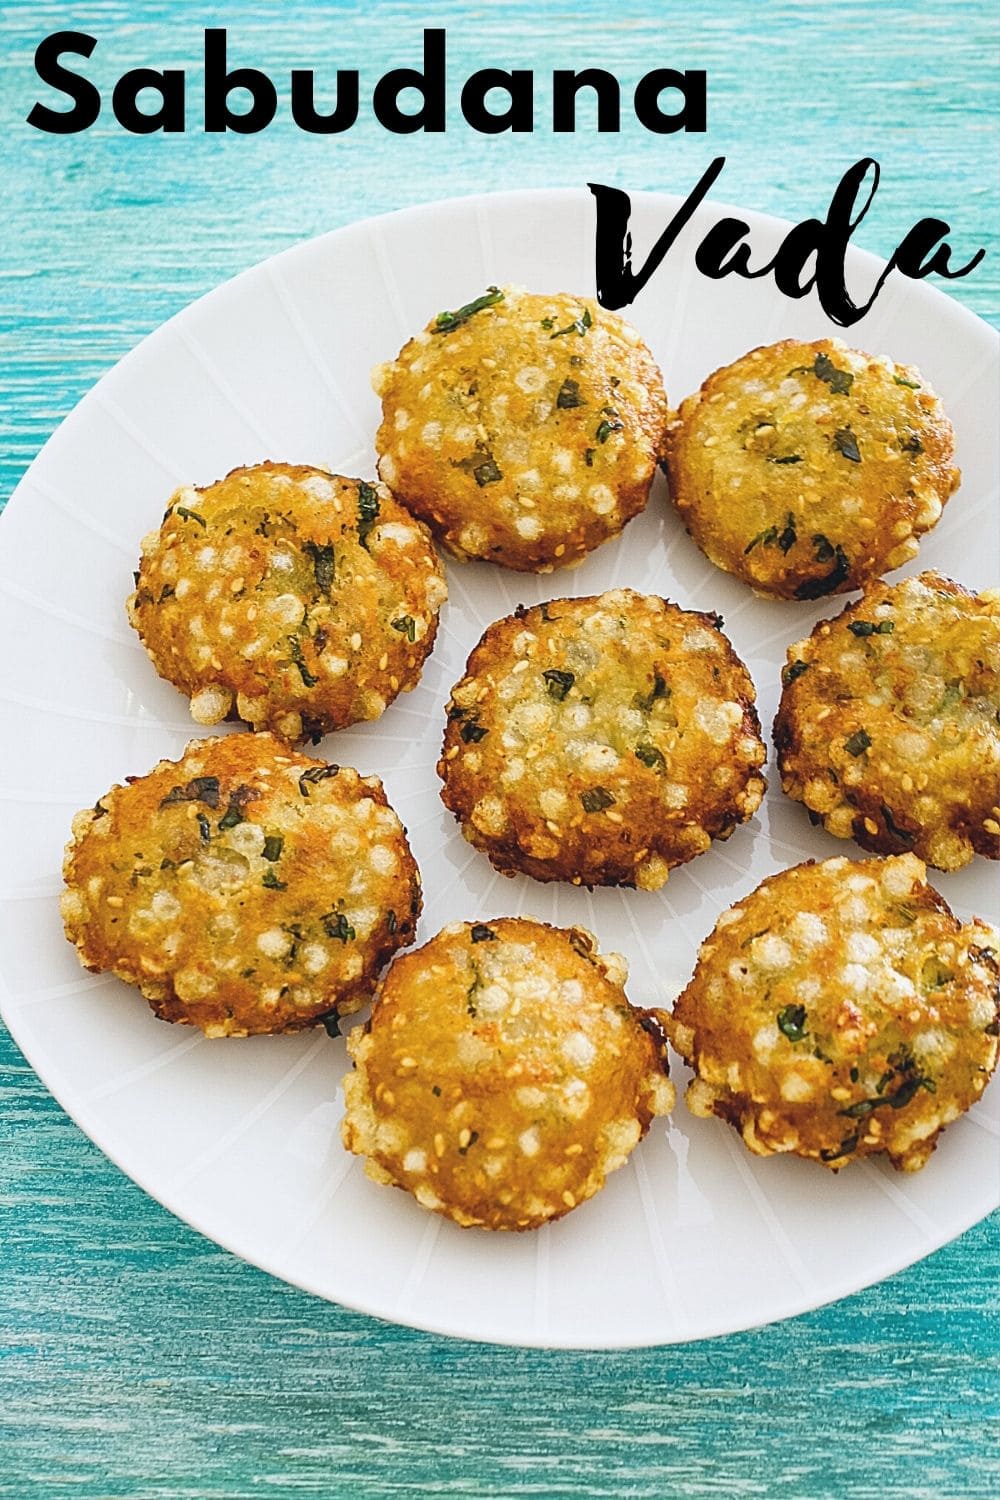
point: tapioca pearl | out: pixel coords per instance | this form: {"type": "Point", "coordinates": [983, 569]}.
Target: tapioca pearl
{"type": "Point", "coordinates": [561, 460]}
{"type": "Point", "coordinates": [698, 639]}
{"type": "Point", "coordinates": [553, 803]}
{"type": "Point", "coordinates": [531, 719]}
{"type": "Point", "coordinates": [621, 1136]}
{"type": "Point", "coordinates": [492, 1000]}
{"type": "Point", "coordinates": [601, 499]}
{"type": "Point", "coordinates": [661, 1095]}
{"type": "Point", "coordinates": [630, 720]}
{"type": "Point", "coordinates": [862, 948]}
{"type": "Point", "coordinates": [285, 609]}
{"type": "Point", "coordinates": [415, 1160]}
{"type": "Point", "coordinates": [566, 494]}
{"type": "Point", "coordinates": [528, 527]}
{"type": "Point", "coordinates": [196, 626]}
{"type": "Point", "coordinates": [771, 952]}
{"type": "Point", "coordinates": [855, 977]}
{"type": "Point", "coordinates": [674, 794]}
{"type": "Point", "coordinates": [388, 469]}
{"type": "Point", "coordinates": [274, 943]}
{"type": "Point", "coordinates": [383, 860]}
{"type": "Point", "coordinates": [795, 1088]}
{"type": "Point", "coordinates": [578, 1049]}
{"type": "Point", "coordinates": [473, 538]}
{"type": "Point", "coordinates": [574, 1098]}
{"type": "Point", "coordinates": [718, 720]}
{"type": "Point", "coordinates": [530, 379]}
{"type": "Point", "coordinates": [210, 705]}
{"type": "Point", "coordinates": [765, 1040]}
{"type": "Point", "coordinates": [401, 419]}
{"type": "Point", "coordinates": [514, 770]}
{"type": "Point", "coordinates": [193, 984]}
{"type": "Point", "coordinates": [808, 930]}
{"type": "Point", "coordinates": [577, 715]}
{"type": "Point", "coordinates": [164, 906]}
{"type": "Point", "coordinates": [899, 875]}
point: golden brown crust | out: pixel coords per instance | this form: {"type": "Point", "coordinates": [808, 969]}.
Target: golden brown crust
{"type": "Point", "coordinates": [601, 740]}
{"type": "Point", "coordinates": [889, 723]}
{"type": "Point", "coordinates": [809, 468]}
{"type": "Point", "coordinates": [244, 888]}
{"type": "Point", "coordinates": [527, 434]}
{"type": "Point", "coordinates": [289, 597]}
{"type": "Point", "coordinates": [503, 1073]}
{"type": "Point", "coordinates": [841, 1010]}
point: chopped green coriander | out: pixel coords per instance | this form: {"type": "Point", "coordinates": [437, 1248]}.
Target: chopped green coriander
{"type": "Point", "coordinates": [912, 444]}
{"type": "Point", "coordinates": [272, 882]}
{"type": "Point", "coordinates": [368, 508]}
{"type": "Point", "coordinates": [273, 845]}
{"type": "Point", "coordinates": [612, 423]}
{"type": "Point", "coordinates": [569, 395]}
{"type": "Point", "coordinates": [322, 561]}
{"type": "Point", "coordinates": [406, 625]}
{"type": "Point", "coordinates": [295, 652]}
{"type": "Point", "coordinates": [846, 443]}
{"type": "Point", "coordinates": [845, 1148]}
{"type": "Point", "coordinates": [871, 627]}
{"type": "Point", "coordinates": [792, 1022]}
{"type": "Point", "coordinates": [815, 588]}
{"type": "Point", "coordinates": [330, 1022]}
{"type": "Point", "coordinates": [483, 934]}
{"type": "Point", "coordinates": [189, 515]}
{"type": "Point", "coordinates": [858, 743]}
{"type": "Point", "coordinates": [911, 385]}
{"type": "Point", "coordinates": [204, 828]}
{"type": "Point", "coordinates": [314, 775]}
{"type": "Point", "coordinates": [472, 732]}
{"type": "Point", "coordinates": [789, 458]}
{"type": "Point", "coordinates": [487, 473]}
{"type": "Point", "coordinates": [651, 757]}
{"type": "Point", "coordinates": [201, 789]}
{"type": "Point", "coordinates": [579, 325]}
{"type": "Point", "coordinates": [446, 322]}
{"type": "Point", "coordinates": [839, 381]}
{"type": "Point", "coordinates": [659, 689]}
{"type": "Point", "coordinates": [794, 670]}
{"type": "Point", "coordinates": [558, 683]}
{"type": "Point", "coordinates": [336, 925]}
{"type": "Point", "coordinates": [596, 799]}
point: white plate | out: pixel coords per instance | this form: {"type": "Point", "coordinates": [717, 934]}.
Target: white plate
{"type": "Point", "coordinates": [695, 1236]}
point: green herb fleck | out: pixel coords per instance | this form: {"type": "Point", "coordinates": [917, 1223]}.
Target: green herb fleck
{"type": "Point", "coordinates": [651, 757]}
{"type": "Point", "coordinates": [472, 732]}
{"type": "Point", "coordinates": [790, 458]}
{"type": "Point", "coordinates": [846, 443]}
{"type": "Point", "coordinates": [237, 802]}
{"type": "Point", "coordinates": [487, 473]}
{"type": "Point", "coordinates": [792, 1022]}
{"type": "Point", "coordinates": [588, 457]}
{"type": "Point", "coordinates": [406, 625]}
{"type": "Point", "coordinates": [330, 1022]}
{"type": "Point", "coordinates": [273, 846]}
{"type": "Point", "coordinates": [569, 395]}
{"type": "Point", "coordinates": [793, 671]}
{"type": "Point", "coordinates": [446, 322]}
{"type": "Point", "coordinates": [295, 652]}
{"type": "Point", "coordinates": [612, 423]}
{"type": "Point", "coordinates": [579, 325]}
{"type": "Point", "coordinates": [390, 922]}
{"type": "Point", "coordinates": [815, 588]}
{"type": "Point", "coordinates": [912, 444]}
{"type": "Point", "coordinates": [858, 743]}
{"type": "Point", "coordinates": [871, 627]}
{"type": "Point", "coordinates": [201, 789]}
{"type": "Point", "coordinates": [839, 381]}
{"type": "Point", "coordinates": [272, 882]}
{"type": "Point", "coordinates": [596, 799]}
{"type": "Point", "coordinates": [903, 834]}
{"type": "Point", "coordinates": [204, 828]}
{"type": "Point", "coordinates": [845, 1148]}
{"type": "Point", "coordinates": [167, 592]}
{"type": "Point", "coordinates": [189, 515]}
{"type": "Point", "coordinates": [645, 701]}
{"type": "Point", "coordinates": [911, 385]}
{"type": "Point", "coordinates": [367, 511]}
{"type": "Point", "coordinates": [336, 925]}
{"type": "Point", "coordinates": [482, 934]}
{"type": "Point", "coordinates": [934, 975]}
{"type": "Point", "coordinates": [558, 683]}
{"type": "Point", "coordinates": [322, 561]}
{"type": "Point", "coordinates": [314, 775]}
{"type": "Point", "coordinates": [473, 1138]}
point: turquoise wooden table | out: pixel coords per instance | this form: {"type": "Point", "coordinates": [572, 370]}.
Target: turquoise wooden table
{"type": "Point", "coordinates": [136, 1358]}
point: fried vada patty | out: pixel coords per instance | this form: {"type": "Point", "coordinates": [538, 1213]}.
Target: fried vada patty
{"type": "Point", "coordinates": [503, 1073]}
{"type": "Point", "coordinates": [808, 469]}
{"type": "Point", "coordinates": [889, 723]}
{"type": "Point", "coordinates": [841, 1010]}
{"type": "Point", "coordinates": [524, 429]}
{"type": "Point", "coordinates": [291, 598]}
{"type": "Point", "coordinates": [602, 740]}
{"type": "Point", "coordinates": [244, 888]}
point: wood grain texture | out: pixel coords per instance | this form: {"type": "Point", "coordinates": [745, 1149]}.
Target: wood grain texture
{"type": "Point", "coordinates": [136, 1359]}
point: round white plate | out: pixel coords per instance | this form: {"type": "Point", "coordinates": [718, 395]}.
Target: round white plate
{"type": "Point", "coordinates": [695, 1236]}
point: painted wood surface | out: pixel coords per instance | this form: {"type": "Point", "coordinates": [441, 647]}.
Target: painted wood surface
{"type": "Point", "coordinates": [137, 1359]}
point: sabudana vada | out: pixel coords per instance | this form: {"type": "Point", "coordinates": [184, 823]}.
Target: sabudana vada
{"type": "Point", "coordinates": [243, 888]}
{"type": "Point", "coordinates": [602, 740]}
{"type": "Point", "coordinates": [808, 469]}
{"type": "Point", "coordinates": [503, 1074]}
{"type": "Point", "coordinates": [889, 723]}
{"type": "Point", "coordinates": [294, 599]}
{"type": "Point", "coordinates": [523, 428]}
{"type": "Point", "coordinates": [841, 1010]}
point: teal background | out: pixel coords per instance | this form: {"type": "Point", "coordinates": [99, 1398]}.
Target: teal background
{"type": "Point", "coordinates": [136, 1359]}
